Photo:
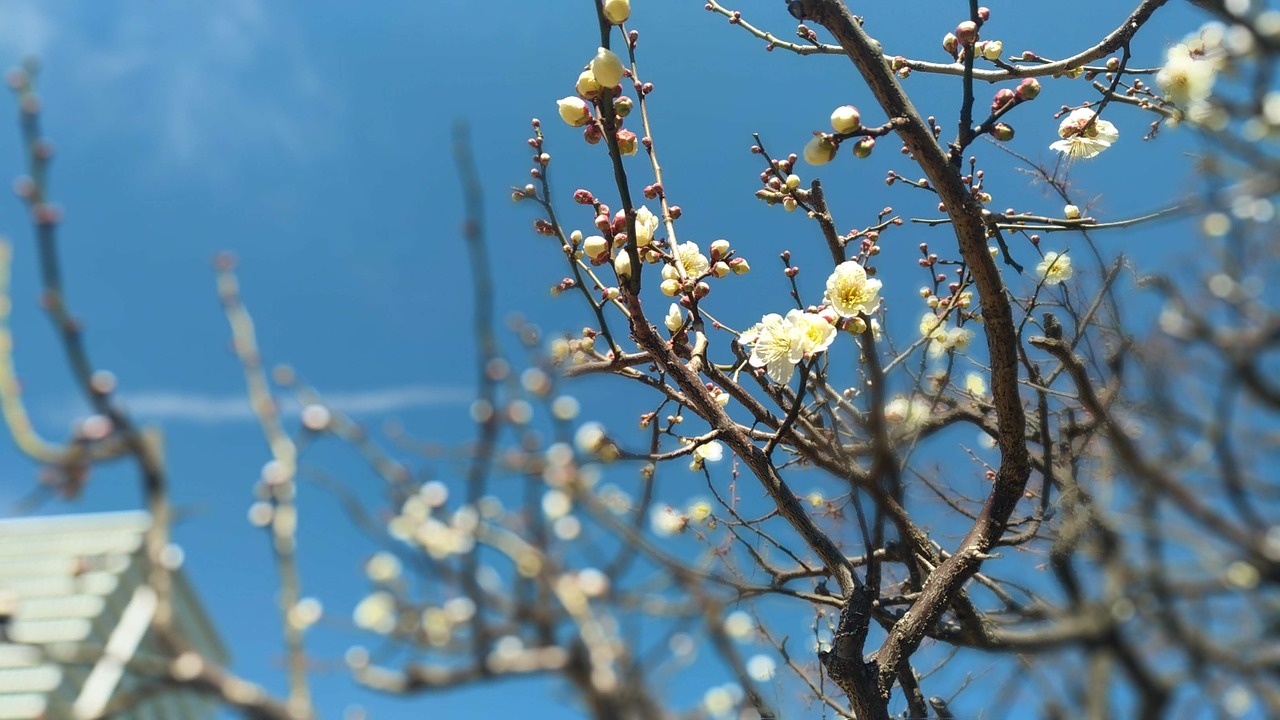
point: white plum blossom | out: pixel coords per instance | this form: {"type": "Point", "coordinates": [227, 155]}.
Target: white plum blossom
{"type": "Point", "coordinates": [1186, 78]}
{"type": "Point", "coordinates": [1054, 268]}
{"type": "Point", "coordinates": [711, 451]}
{"type": "Point", "coordinates": [907, 412]}
{"type": "Point", "coordinates": [942, 335]}
{"type": "Point", "coordinates": [646, 226]}
{"type": "Point", "coordinates": [1084, 137]}
{"type": "Point", "coordinates": [850, 291]}
{"type": "Point", "coordinates": [777, 345]}
{"type": "Point", "coordinates": [665, 521]}
{"type": "Point", "coordinates": [695, 264]}
{"type": "Point", "coordinates": [816, 331]}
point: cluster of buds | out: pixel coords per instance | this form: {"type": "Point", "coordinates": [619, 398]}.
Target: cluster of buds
{"type": "Point", "coordinates": [1005, 100]}
{"type": "Point", "coordinates": [966, 35]}
{"type": "Point", "coordinates": [598, 84]}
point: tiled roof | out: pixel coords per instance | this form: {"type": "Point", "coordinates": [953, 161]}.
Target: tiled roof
{"type": "Point", "coordinates": [73, 586]}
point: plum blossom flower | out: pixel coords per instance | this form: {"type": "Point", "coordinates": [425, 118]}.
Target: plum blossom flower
{"type": "Point", "coordinates": [1054, 268]}
{"type": "Point", "coordinates": [850, 291]}
{"type": "Point", "coordinates": [695, 264]}
{"type": "Point", "coordinates": [777, 346]}
{"type": "Point", "coordinates": [707, 452]}
{"type": "Point", "coordinates": [816, 331]}
{"type": "Point", "coordinates": [943, 336]}
{"type": "Point", "coordinates": [1080, 139]}
{"type": "Point", "coordinates": [1186, 78]}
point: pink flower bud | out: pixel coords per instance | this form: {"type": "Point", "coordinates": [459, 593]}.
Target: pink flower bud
{"type": "Point", "coordinates": [592, 134]}
{"type": "Point", "coordinates": [1003, 97]}
{"type": "Point", "coordinates": [967, 32]}
{"type": "Point", "coordinates": [1028, 89]}
{"type": "Point", "coordinates": [622, 106]}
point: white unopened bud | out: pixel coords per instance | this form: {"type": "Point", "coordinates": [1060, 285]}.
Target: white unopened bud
{"type": "Point", "coordinates": [587, 86]}
{"type": "Point", "coordinates": [607, 67]}
{"type": "Point", "coordinates": [992, 50]}
{"type": "Point", "coordinates": [819, 150]}
{"type": "Point", "coordinates": [670, 287]}
{"type": "Point", "coordinates": [846, 119]}
{"type": "Point", "coordinates": [596, 249]}
{"type": "Point", "coordinates": [1071, 212]}
{"type": "Point", "coordinates": [622, 265]}
{"type": "Point", "coordinates": [617, 11]}
{"type": "Point", "coordinates": [575, 111]}
{"type": "Point", "coordinates": [720, 269]}
{"type": "Point", "coordinates": [719, 249]}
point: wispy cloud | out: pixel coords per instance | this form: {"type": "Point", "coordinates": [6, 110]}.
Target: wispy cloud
{"type": "Point", "coordinates": [177, 406]}
{"type": "Point", "coordinates": [205, 84]}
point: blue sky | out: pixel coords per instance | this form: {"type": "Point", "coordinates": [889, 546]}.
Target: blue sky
{"type": "Point", "coordinates": [312, 140]}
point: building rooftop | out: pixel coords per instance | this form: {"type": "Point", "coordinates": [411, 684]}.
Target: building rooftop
{"type": "Point", "coordinates": [75, 615]}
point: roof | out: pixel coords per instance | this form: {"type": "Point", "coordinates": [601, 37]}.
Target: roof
{"type": "Point", "coordinates": [74, 583]}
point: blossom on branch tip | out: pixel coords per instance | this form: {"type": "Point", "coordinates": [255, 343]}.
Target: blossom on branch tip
{"type": "Point", "coordinates": [607, 68]}
{"type": "Point", "coordinates": [850, 291]}
{"type": "Point", "coordinates": [1054, 268]}
{"type": "Point", "coordinates": [575, 111]}
{"type": "Point", "coordinates": [1083, 136]}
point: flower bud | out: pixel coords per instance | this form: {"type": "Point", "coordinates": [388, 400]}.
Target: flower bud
{"type": "Point", "coordinates": [793, 182]}
{"type": "Point", "coordinates": [575, 111]}
{"type": "Point", "coordinates": [1002, 132]}
{"type": "Point", "coordinates": [1028, 89]}
{"type": "Point", "coordinates": [993, 50]}
{"type": "Point", "coordinates": [592, 134]}
{"type": "Point", "coordinates": [949, 43]}
{"type": "Point", "coordinates": [607, 68]}
{"type": "Point", "coordinates": [627, 144]}
{"type": "Point", "coordinates": [719, 249]}
{"type": "Point", "coordinates": [622, 265]}
{"type": "Point", "coordinates": [789, 203]}
{"type": "Point", "coordinates": [846, 119]}
{"type": "Point", "coordinates": [670, 287]}
{"type": "Point", "coordinates": [617, 11]}
{"type": "Point", "coordinates": [862, 149]}
{"type": "Point", "coordinates": [967, 32]}
{"type": "Point", "coordinates": [587, 86]}
{"type": "Point", "coordinates": [622, 106]}
{"type": "Point", "coordinates": [674, 319]}
{"type": "Point", "coordinates": [720, 269]}
{"type": "Point", "coordinates": [1075, 72]}
{"type": "Point", "coordinates": [819, 150]}
{"type": "Point", "coordinates": [596, 249]}
{"type": "Point", "coordinates": [739, 266]}
{"type": "Point", "coordinates": [701, 290]}
{"type": "Point", "coordinates": [1003, 97]}
{"type": "Point", "coordinates": [1071, 212]}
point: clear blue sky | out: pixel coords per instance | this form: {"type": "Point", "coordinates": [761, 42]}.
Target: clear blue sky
{"type": "Point", "coordinates": [312, 140]}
